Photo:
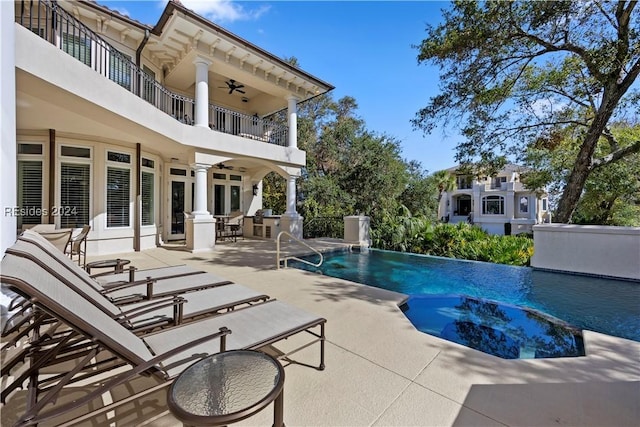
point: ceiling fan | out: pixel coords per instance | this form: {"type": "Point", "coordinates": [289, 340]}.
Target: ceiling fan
{"type": "Point", "coordinates": [231, 85]}
{"type": "Point", "coordinates": [223, 166]}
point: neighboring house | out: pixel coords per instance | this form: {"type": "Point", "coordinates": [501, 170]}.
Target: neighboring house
{"type": "Point", "coordinates": [499, 204]}
{"type": "Point", "coordinates": [146, 133]}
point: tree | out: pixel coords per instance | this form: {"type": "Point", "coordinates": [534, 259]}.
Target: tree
{"type": "Point", "coordinates": [611, 194]}
{"type": "Point", "coordinates": [418, 195]}
{"type": "Point", "coordinates": [515, 73]}
{"type": "Point", "coordinates": [444, 181]}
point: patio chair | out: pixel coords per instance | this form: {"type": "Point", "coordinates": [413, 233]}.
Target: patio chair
{"type": "Point", "coordinates": [146, 289]}
{"type": "Point", "coordinates": [165, 353]}
{"type": "Point", "coordinates": [78, 246]}
{"type": "Point", "coordinates": [139, 316]}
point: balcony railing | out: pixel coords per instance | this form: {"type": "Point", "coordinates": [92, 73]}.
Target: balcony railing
{"type": "Point", "coordinates": [58, 27]}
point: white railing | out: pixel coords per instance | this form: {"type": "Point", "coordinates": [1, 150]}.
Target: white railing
{"type": "Point", "coordinates": [54, 24]}
{"type": "Point", "coordinates": [285, 259]}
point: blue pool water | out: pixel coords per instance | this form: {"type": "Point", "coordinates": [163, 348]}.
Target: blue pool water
{"type": "Point", "coordinates": [597, 304]}
{"type": "Point", "coordinates": [496, 328]}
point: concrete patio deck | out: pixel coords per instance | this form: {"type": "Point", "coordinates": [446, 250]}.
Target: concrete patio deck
{"type": "Point", "coordinates": [381, 371]}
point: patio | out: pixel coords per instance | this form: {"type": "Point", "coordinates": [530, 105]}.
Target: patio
{"type": "Point", "coordinates": [381, 371]}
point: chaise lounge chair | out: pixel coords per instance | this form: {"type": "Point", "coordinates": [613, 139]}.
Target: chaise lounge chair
{"type": "Point", "coordinates": [165, 353]}
{"type": "Point", "coordinates": [146, 289]}
{"type": "Point", "coordinates": [172, 309]}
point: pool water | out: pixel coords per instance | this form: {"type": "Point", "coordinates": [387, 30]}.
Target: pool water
{"type": "Point", "coordinates": [597, 304]}
{"type": "Point", "coordinates": [502, 330]}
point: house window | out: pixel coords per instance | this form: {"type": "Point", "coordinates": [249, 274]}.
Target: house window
{"type": "Point", "coordinates": [148, 84]}
{"type": "Point", "coordinates": [77, 46]}
{"type": "Point", "coordinates": [493, 205]}
{"type": "Point", "coordinates": [120, 69]}
{"type": "Point", "coordinates": [118, 189]}
{"type": "Point", "coordinates": [147, 198]}
{"type": "Point", "coordinates": [148, 191]}
{"type": "Point", "coordinates": [30, 184]}
{"type": "Point", "coordinates": [235, 198]}
{"type": "Point", "coordinates": [464, 182]}
{"type": "Point", "coordinates": [544, 204]}
{"type": "Point", "coordinates": [75, 192]}
{"type": "Point", "coordinates": [497, 181]}
{"type": "Point", "coordinates": [524, 204]}
{"type": "Point", "coordinates": [29, 192]}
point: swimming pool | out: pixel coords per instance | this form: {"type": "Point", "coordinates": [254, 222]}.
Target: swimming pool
{"type": "Point", "coordinates": [597, 304]}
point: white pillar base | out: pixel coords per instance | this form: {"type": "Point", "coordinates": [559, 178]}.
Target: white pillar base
{"type": "Point", "coordinates": [292, 223]}
{"type": "Point", "coordinates": [201, 233]}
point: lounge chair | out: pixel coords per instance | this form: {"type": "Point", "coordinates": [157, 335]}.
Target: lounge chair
{"type": "Point", "coordinates": [172, 309]}
{"type": "Point", "coordinates": [165, 353]}
{"type": "Point", "coordinates": [58, 238]}
{"type": "Point", "coordinates": [146, 289]}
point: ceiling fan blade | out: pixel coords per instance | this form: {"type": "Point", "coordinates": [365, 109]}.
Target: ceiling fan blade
{"type": "Point", "coordinates": [241, 91]}
{"type": "Point", "coordinates": [230, 91]}
{"type": "Point", "coordinates": [239, 86]}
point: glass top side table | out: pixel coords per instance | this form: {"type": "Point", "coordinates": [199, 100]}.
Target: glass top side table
{"type": "Point", "coordinates": [228, 387]}
{"type": "Point", "coordinates": [116, 264]}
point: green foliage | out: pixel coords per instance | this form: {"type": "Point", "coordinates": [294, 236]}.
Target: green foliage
{"type": "Point", "coordinates": [351, 170]}
{"type": "Point", "coordinates": [611, 194]}
{"type": "Point", "coordinates": [274, 192]}
{"type": "Point", "coordinates": [518, 75]}
{"type": "Point", "coordinates": [463, 241]}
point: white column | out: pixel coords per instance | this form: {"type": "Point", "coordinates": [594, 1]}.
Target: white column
{"type": "Point", "coordinates": [202, 92]}
{"type": "Point", "coordinates": [291, 196]}
{"type": "Point", "coordinates": [292, 113]}
{"type": "Point", "coordinates": [8, 198]}
{"type": "Point", "coordinates": [200, 196]}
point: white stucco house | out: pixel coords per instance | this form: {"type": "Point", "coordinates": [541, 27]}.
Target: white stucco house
{"type": "Point", "coordinates": [127, 126]}
{"type": "Point", "coordinates": [499, 204]}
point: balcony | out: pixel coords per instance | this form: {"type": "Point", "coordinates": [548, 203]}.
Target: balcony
{"type": "Point", "coordinates": [55, 25]}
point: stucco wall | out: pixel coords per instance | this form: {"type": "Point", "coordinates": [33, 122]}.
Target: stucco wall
{"type": "Point", "coordinates": [8, 198]}
{"type": "Point", "coordinates": [591, 249]}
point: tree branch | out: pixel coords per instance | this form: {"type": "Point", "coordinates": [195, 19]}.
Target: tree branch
{"type": "Point", "coordinates": [611, 138]}
{"type": "Point", "coordinates": [569, 47]}
{"type": "Point", "coordinates": [613, 23]}
{"type": "Point", "coordinates": [616, 155]}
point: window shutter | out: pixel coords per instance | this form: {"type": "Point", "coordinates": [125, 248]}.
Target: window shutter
{"type": "Point", "coordinates": [118, 184]}
{"type": "Point", "coordinates": [147, 198]}
{"type": "Point", "coordinates": [74, 195]}
{"type": "Point", "coordinates": [30, 192]}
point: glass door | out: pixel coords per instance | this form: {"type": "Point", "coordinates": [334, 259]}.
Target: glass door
{"type": "Point", "coordinates": [177, 209]}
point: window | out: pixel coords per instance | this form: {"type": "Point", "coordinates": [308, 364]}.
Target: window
{"type": "Point", "coordinates": [75, 185]}
{"type": "Point", "coordinates": [464, 182]}
{"type": "Point", "coordinates": [524, 204]}
{"type": "Point", "coordinates": [120, 69]}
{"type": "Point", "coordinates": [118, 189]}
{"type": "Point", "coordinates": [544, 204]}
{"type": "Point", "coordinates": [493, 205]}
{"type": "Point", "coordinates": [235, 198]}
{"type": "Point", "coordinates": [77, 46]}
{"type": "Point", "coordinates": [148, 192]}
{"type": "Point", "coordinates": [497, 181]}
{"type": "Point", "coordinates": [118, 186]}
{"type": "Point", "coordinates": [29, 192]}
{"type": "Point", "coordinates": [148, 84]}
{"type": "Point", "coordinates": [177, 172]}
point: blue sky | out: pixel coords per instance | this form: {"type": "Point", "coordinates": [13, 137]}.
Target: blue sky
{"type": "Point", "coordinates": [363, 48]}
